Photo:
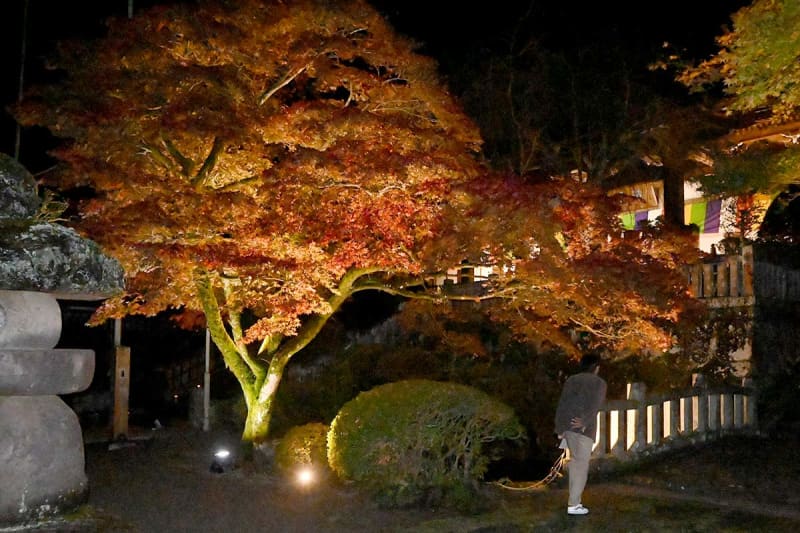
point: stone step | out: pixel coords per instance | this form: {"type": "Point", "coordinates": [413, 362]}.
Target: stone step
{"type": "Point", "coordinates": [42, 372]}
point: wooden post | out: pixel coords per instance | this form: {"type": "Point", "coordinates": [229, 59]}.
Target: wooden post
{"type": "Point", "coordinates": [738, 411]}
{"type": "Point", "coordinates": [735, 286]}
{"type": "Point", "coordinates": [702, 412]}
{"type": "Point", "coordinates": [601, 447]}
{"type": "Point", "coordinates": [726, 399]}
{"type": "Point", "coordinates": [714, 421]}
{"type": "Point", "coordinates": [696, 280]}
{"type": "Point", "coordinates": [122, 385]}
{"type": "Point", "coordinates": [655, 423]}
{"type": "Point", "coordinates": [747, 270]}
{"type": "Point", "coordinates": [207, 384]}
{"type": "Point", "coordinates": [687, 423]}
{"type": "Point", "coordinates": [638, 392]}
{"type": "Point", "coordinates": [723, 279]}
{"type": "Point", "coordinates": [709, 291]}
{"type": "Point", "coordinates": [619, 432]}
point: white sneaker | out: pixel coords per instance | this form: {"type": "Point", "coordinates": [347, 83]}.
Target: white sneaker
{"type": "Point", "coordinates": [577, 509]}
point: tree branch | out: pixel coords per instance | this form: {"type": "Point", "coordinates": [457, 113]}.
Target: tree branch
{"type": "Point", "coordinates": [234, 319]}
{"type": "Point", "coordinates": [283, 82]}
{"type": "Point", "coordinates": [312, 326]}
{"type": "Point", "coordinates": [226, 345]}
{"type": "Point", "coordinates": [156, 155]}
{"type": "Point", "coordinates": [186, 164]}
{"type": "Point", "coordinates": [201, 178]}
{"type": "Point", "coordinates": [597, 332]}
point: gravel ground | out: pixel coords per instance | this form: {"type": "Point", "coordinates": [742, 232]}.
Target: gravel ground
{"type": "Point", "coordinates": [162, 483]}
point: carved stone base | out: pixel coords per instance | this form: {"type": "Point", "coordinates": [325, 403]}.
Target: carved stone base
{"type": "Point", "coordinates": [41, 458]}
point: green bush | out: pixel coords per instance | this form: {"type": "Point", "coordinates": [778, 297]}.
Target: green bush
{"type": "Point", "coordinates": [418, 440]}
{"type": "Point", "coordinates": [304, 445]}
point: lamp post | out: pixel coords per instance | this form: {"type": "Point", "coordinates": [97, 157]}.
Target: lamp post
{"type": "Point", "coordinates": [207, 383]}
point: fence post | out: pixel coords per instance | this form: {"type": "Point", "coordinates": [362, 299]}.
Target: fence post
{"type": "Point", "coordinates": [618, 431]}
{"type": "Point", "coordinates": [738, 411]}
{"type": "Point", "coordinates": [686, 414]}
{"type": "Point", "coordinates": [655, 423]}
{"type": "Point", "coordinates": [699, 384]}
{"type": "Point", "coordinates": [695, 280]}
{"type": "Point", "coordinates": [637, 392]}
{"type": "Point", "coordinates": [723, 279]}
{"type": "Point", "coordinates": [714, 412]}
{"type": "Point", "coordinates": [733, 272]}
{"type": "Point", "coordinates": [726, 400]}
{"type": "Point", "coordinates": [709, 290]}
{"type": "Point", "coordinates": [601, 448]}
{"type": "Point", "coordinates": [751, 412]}
{"type": "Point", "coordinates": [672, 411]}
{"type": "Point", "coordinates": [747, 270]}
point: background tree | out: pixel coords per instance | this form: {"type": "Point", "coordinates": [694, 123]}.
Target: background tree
{"type": "Point", "coordinates": [597, 111]}
{"type": "Point", "coordinates": [757, 60]}
{"type": "Point", "coordinates": [756, 66]}
{"type": "Point", "coordinates": [262, 162]}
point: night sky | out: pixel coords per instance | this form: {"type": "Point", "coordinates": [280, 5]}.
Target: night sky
{"type": "Point", "coordinates": [452, 31]}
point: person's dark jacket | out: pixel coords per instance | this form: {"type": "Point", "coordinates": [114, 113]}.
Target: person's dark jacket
{"type": "Point", "coordinates": [583, 396]}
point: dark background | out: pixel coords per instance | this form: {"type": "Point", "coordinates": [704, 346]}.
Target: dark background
{"type": "Point", "coordinates": [454, 32]}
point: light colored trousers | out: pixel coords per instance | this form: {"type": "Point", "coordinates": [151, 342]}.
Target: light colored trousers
{"type": "Point", "coordinates": [580, 450]}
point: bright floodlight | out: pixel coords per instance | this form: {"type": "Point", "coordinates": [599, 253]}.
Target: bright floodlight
{"type": "Point", "coordinates": [222, 454]}
{"type": "Point", "coordinates": [223, 461]}
{"type": "Point", "coordinates": [305, 476]}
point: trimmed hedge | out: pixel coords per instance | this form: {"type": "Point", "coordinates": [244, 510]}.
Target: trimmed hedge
{"type": "Point", "coordinates": [418, 440]}
{"type": "Point", "coordinates": [304, 445]}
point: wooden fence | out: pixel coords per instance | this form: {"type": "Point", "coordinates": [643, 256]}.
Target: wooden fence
{"type": "Point", "coordinates": [737, 279]}
{"type": "Point", "coordinates": [643, 425]}
{"type": "Point", "coordinates": [726, 280]}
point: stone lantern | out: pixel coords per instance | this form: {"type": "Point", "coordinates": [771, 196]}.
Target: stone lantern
{"type": "Point", "coordinates": [42, 469]}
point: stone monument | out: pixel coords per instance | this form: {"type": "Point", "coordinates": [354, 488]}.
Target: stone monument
{"type": "Point", "coordinates": [42, 468]}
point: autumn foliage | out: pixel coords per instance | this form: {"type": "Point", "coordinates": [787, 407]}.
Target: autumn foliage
{"type": "Point", "coordinates": [263, 161]}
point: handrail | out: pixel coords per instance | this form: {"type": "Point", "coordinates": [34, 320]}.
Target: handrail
{"type": "Point", "coordinates": [643, 425]}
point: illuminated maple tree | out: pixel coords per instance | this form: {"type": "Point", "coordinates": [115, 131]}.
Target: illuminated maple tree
{"type": "Point", "coordinates": [261, 162]}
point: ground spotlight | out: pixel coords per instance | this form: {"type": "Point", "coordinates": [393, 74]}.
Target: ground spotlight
{"type": "Point", "coordinates": [223, 461]}
{"type": "Point", "coordinates": [305, 476]}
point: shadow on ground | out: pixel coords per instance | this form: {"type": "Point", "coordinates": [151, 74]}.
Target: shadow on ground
{"type": "Point", "coordinates": [163, 484]}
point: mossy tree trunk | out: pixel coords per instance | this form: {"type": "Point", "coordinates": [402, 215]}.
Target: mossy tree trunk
{"type": "Point", "coordinates": [259, 376]}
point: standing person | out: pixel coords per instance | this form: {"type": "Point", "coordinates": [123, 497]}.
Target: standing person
{"type": "Point", "coordinates": [576, 423]}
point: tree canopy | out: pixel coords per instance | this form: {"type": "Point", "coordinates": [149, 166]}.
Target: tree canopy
{"type": "Point", "coordinates": [757, 60]}
{"type": "Point", "coordinates": [757, 67]}
{"type": "Point", "coordinates": [260, 162]}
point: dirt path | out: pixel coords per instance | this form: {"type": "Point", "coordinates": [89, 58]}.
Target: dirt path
{"type": "Point", "coordinates": [739, 504]}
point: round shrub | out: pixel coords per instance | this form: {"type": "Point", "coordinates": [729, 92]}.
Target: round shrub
{"type": "Point", "coordinates": [304, 445]}
{"type": "Point", "coordinates": [417, 440]}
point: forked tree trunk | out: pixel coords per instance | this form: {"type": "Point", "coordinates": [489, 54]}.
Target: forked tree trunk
{"type": "Point", "coordinates": [259, 413]}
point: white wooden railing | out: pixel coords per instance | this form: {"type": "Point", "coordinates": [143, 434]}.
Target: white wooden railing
{"type": "Point", "coordinates": [644, 425]}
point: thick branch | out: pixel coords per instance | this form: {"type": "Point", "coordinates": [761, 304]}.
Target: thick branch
{"type": "Point", "coordinates": [186, 164]}
{"type": "Point", "coordinates": [160, 158]}
{"type": "Point", "coordinates": [440, 296]}
{"type": "Point", "coordinates": [597, 332]}
{"type": "Point", "coordinates": [234, 319]}
{"type": "Point", "coordinates": [227, 346]}
{"type": "Point", "coordinates": [270, 344]}
{"type": "Point", "coordinates": [201, 178]}
{"type": "Point", "coordinates": [312, 326]}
